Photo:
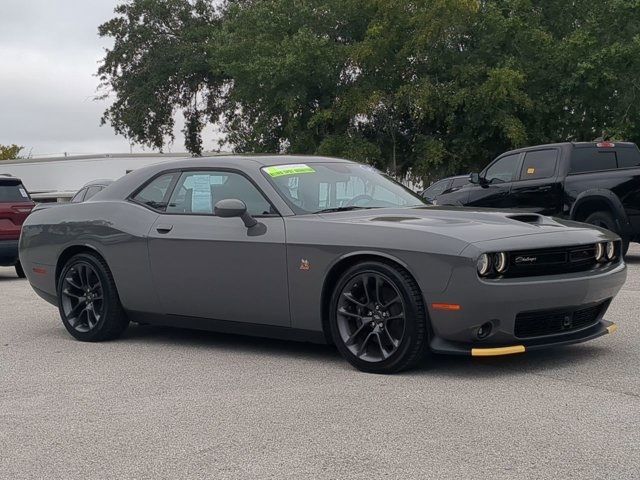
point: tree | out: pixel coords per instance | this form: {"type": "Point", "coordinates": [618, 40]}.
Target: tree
{"type": "Point", "coordinates": [429, 87]}
{"type": "Point", "coordinates": [9, 152]}
{"type": "Point", "coordinates": [158, 64]}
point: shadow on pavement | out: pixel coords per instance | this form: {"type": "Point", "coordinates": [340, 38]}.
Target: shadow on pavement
{"type": "Point", "coordinates": [205, 339]}
{"type": "Point", "coordinates": [437, 365]}
{"type": "Point", "coordinates": [632, 259]}
{"type": "Point", "coordinates": [536, 362]}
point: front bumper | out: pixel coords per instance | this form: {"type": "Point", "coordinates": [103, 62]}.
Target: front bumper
{"type": "Point", "coordinates": [8, 252]}
{"type": "Point", "coordinates": [499, 302]}
{"type": "Point", "coordinates": [603, 327]}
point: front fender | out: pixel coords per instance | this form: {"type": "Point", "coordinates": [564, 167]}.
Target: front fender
{"type": "Point", "coordinates": [611, 199]}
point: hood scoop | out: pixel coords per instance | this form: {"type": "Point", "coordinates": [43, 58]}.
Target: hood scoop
{"type": "Point", "coordinates": [532, 218]}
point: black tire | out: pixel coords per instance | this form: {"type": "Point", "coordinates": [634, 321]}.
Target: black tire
{"type": "Point", "coordinates": [20, 270]}
{"type": "Point", "coordinates": [413, 345]}
{"type": "Point", "coordinates": [605, 220]}
{"type": "Point", "coordinates": [110, 319]}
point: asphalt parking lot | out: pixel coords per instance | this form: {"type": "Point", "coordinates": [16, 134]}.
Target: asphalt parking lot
{"type": "Point", "coordinates": [166, 403]}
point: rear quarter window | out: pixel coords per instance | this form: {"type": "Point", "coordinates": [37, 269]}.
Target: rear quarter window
{"type": "Point", "coordinates": [592, 160]}
{"type": "Point", "coordinates": [91, 191]}
{"type": "Point", "coordinates": [13, 192]}
{"type": "Point", "coordinates": [628, 157]}
{"type": "Point", "coordinates": [154, 194]}
{"type": "Point", "coordinates": [459, 182]}
{"type": "Point", "coordinates": [436, 189]}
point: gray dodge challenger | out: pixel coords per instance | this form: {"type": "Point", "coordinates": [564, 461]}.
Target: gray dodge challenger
{"type": "Point", "coordinates": [323, 250]}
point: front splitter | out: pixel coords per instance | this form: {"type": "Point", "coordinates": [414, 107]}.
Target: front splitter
{"type": "Point", "coordinates": [603, 327]}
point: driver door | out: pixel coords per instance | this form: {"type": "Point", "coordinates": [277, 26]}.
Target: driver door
{"type": "Point", "coordinates": [210, 267]}
{"type": "Point", "coordinates": [499, 178]}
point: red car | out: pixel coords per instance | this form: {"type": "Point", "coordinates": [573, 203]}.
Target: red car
{"type": "Point", "coordinates": [15, 206]}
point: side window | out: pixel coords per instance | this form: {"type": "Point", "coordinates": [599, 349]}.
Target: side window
{"type": "Point", "coordinates": [198, 192]}
{"type": "Point", "coordinates": [539, 164]}
{"type": "Point", "coordinates": [79, 197]}
{"type": "Point", "coordinates": [628, 157]}
{"type": "Point", "coordinates": [504, 170]}
{"type": "Point", "coordinates": [436, 189]}
{"type": "Point", "coordinates": [459, 182]}
{"type": "Point", "coordinates": [155, 193]}
{"type": "Point", "coordinates": [91, 191]}
{"type": "Point", "coordinates": [592, 160]}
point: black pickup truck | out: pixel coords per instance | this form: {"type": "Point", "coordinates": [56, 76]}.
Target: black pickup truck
{"type": "Point", "coordinates": [592, 182]}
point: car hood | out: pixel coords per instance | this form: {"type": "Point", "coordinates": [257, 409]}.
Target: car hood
{"type": "Point", "coordinates": [468, 225]}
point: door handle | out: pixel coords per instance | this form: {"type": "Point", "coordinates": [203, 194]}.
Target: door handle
{"type": "Point", "coordinates": [164, 228]}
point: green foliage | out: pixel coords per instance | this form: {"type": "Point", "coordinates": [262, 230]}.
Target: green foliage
{"type": "Point", "coordinates": [430, 87]}
{"type": "Point", "coordinates": [9, 152]}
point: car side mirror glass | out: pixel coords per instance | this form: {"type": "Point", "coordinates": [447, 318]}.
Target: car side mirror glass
{"type": "Point", "coordinates": [232, 207]}
{"type": "Point", "coordinates": [474, 178]}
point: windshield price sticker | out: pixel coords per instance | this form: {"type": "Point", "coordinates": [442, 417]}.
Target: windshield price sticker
{"type": "Point", "coordinates": [23, 192]}
{"type": "Point", "coordinates": [282, 170]}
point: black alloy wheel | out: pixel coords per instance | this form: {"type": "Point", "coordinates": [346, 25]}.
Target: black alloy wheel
{"type": "Point", "coordinates": [88, 300]}
{"type": "Point", "coordinates": [371, 317]}
{"type": "Point", "coordinates": [82, 297]}
{"type": "Point", "coordinates": [378, 319]}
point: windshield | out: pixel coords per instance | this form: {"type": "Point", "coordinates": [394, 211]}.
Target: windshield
{"type": "Point", "coordinates": [322, 187]}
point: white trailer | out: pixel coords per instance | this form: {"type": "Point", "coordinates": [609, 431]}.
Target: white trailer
{"type": "Point", "coordinates": [58, 179]}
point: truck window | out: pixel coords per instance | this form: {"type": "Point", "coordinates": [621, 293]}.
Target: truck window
{"type": "Point", "coordinates": [503, 170]}
{"type": "Point", "coordinates": [539, 164]}
{"type": "Point", "coordinates": [592, 160]}
{"type": "Point", "coordinates": [628, 157]}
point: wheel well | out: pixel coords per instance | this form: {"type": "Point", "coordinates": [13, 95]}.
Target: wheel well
{"type": "Point", "coordinates": [591, 205]}
{"type": "Point", "coordinates": [70, 252]}
{"type": "Point", "coordinates": [336, 272]}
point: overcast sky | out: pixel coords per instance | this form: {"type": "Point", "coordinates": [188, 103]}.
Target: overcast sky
{"type": "Point", "coordinates": [49, 54]}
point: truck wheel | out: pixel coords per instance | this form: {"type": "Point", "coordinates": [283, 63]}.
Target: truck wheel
{"type": "Point", "coordinates": [606, 220]}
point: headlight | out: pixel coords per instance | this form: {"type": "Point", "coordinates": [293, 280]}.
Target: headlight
{"type": "Point", "coordinates": [610, 251]}
{"type": "Point", "coordinates": [599, 252]}
{"type": "Point", "coordinates": [484, 264]}
{"type": "Point", "coordinates": [500, 261]}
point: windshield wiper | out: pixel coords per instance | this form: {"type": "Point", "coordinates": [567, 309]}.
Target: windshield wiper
{"type": "Point", "coordinates": [343, 209]}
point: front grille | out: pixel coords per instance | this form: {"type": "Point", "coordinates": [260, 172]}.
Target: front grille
{"type": "Point", "coordinates": [553, 322]}
{"type": "Point", "coordinates": [551, 261]}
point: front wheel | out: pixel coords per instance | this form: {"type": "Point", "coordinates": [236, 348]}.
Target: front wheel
{"type": "Point", "coordinates": [377, 318]}
{"type": "Point", "coordinates": [88, 300]}
{"type": "Point", "coordinates": [606, 220]}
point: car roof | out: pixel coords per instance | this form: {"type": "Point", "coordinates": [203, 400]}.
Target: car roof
{"type": "Point", "coordinates": [133, 180]}
{"type": "Point", "coordinates": [7, 178]}
{"type": "Point", "coordinates": [101, 182]}
{"type": "Point", "coordinates": [450, 178]}
{"type": "Point", "coordinates": [570, 145]}
{"type": "Point", "coordinates": [260, 159]}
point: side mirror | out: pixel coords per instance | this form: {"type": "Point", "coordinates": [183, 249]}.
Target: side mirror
{"type": "Point", "coordinates": [232, 207]}
{"type": "Point", "coordinates": [476, 179]}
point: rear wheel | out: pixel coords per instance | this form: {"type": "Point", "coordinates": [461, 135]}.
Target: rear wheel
{"type": "Point", "coordinates": [377, 318]}
{"type": "Point", "coordinates": [88, 300]}
{"type": "Point", "coordinates": [605, 220]}
{"type": "Point", "coordinates": [20, 270]}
